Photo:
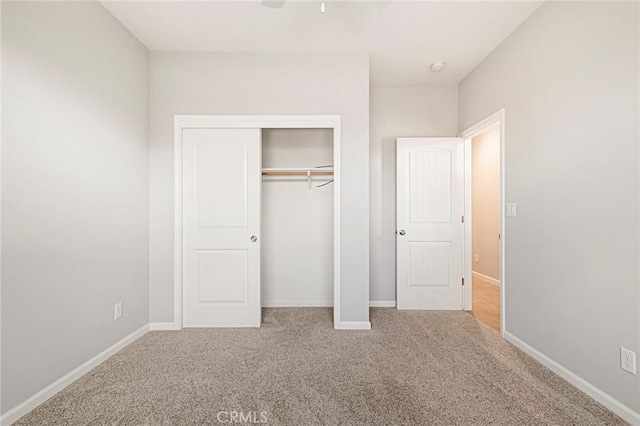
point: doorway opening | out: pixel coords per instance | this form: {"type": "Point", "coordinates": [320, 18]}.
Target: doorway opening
{"type": "Point", "coordinates": [297, 218]}
{"type": "Point", "coordinates": [484, 264]}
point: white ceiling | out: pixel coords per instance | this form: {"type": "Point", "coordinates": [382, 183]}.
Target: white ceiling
{"type": "Point", "coordinates": [403, 37]}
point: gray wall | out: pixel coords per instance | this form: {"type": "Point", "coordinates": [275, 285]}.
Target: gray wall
{"type": "Point", "coordinates": [568, 78]}
{"type": "Point", "coordinates": [75, 215]}
{"type": "Point", "coordinates": [399, 111]}
{"type": "Point", "coordinates": [263, 83]}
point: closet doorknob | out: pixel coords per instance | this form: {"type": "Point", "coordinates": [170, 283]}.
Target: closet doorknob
{"type": "Point", "coordinates": [402, 232]}
{"type": "Point", "coordinates": [254, 238]}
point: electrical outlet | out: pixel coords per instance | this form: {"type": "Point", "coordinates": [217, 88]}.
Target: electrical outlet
{"type": "Point", "coordinates": [476, 258]}
{"type": "Point", "coordinates": [118, 310]}
{"type": "Point", "coordinates": [628, 360]}
{"type": "Point", "coordinates": [511, 209]}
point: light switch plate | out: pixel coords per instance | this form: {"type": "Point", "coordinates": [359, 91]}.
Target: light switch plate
{"type": "Point", "coordinates": [511, 209]}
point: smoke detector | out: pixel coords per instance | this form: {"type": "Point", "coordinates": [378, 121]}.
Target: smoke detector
{"type": "Point", "coordinates": [438, 66]}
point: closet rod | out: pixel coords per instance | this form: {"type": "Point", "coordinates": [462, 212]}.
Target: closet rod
{"type": "Point", "coordinates": [297, 172]}
{"type": "Point", "coordinates": [312, 172]}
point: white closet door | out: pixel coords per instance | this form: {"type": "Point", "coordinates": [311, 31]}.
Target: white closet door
{"type": "Point", "coordinates": [429, 238]}
{"type": "Point", "coordinates": [221, 227]}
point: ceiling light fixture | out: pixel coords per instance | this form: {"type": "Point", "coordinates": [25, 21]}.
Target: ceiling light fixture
{"type": "Point", "coordinates": [438, 66]}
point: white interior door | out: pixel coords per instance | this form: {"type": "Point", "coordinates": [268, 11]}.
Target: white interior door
{"type": "Point", "coordinates": [430, 196]}
{"type": "Point", "coordinates": [221, 227]}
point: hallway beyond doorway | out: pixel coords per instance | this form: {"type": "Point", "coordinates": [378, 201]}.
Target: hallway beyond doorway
{"type": "Point", "coordinates": [486, 303]}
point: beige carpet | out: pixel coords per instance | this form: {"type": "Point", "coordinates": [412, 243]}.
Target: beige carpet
{"type": "Point", "coordinates": [417, 368]}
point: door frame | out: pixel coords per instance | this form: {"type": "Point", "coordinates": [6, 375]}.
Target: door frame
{"type": "Point", "coordinates": [182, 122]}
{"type": "Point", "coordinates": [468, 134]}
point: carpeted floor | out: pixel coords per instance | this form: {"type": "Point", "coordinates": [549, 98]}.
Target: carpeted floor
{"type": "Point", "coordinates": [417, 368]}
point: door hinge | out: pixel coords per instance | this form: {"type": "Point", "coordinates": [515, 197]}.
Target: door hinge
{"type": "Point", "coordinates": [463, 281]}
{"type": "Point", "coordinates": [462, 219]}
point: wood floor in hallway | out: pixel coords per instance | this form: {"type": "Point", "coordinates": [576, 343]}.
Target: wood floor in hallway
{"type": "Point", "coordinates": [486, 303]}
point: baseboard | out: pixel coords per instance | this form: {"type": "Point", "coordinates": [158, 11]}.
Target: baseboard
{"type": "Point", "coordinates": [596, 393]}
{"type": "Point", "coordinates": [157, 326]}
{"type": "Point", "coordinates": [353, 325]}
{"type": "Point", "coordinates": [382, 303]}
{"type": "Point", "coordinates": [321, 304]}
{"type": "Point", "coordinates": [485, 278]}
{"type": "Point", "coordinates": [15, 413]}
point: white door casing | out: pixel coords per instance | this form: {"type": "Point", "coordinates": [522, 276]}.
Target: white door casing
{"type": "Point", "coordinates": [430, 231]}
{"type": "Point", "coordinates": [468, 134]}
{"type": "Point", "coordinates": [221, 227]}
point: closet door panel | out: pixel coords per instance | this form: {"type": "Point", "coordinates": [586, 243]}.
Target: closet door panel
{"type": "Point", "coordinates": [221, 184]}
{"type": "Point", "coordinates": [222, 276]}
{"type": "Point", "coordinates": [221, 227]}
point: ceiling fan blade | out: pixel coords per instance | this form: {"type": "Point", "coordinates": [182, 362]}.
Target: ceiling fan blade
{"type": "Point", "coordinates": [273, 4]}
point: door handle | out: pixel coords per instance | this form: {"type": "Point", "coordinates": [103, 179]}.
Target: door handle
{"type": "Point", "coordinates": [254, 238]}
{"type": "Point", "coordinates": [402, 232]}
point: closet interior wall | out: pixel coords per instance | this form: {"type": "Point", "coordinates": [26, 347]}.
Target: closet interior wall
{"type": "Point", "coordinates": [297, 223]}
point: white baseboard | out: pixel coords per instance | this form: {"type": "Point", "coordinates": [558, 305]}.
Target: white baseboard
{"type": "Point", "coordinates": [485, 278]}
{"type": "Point", "coordinates": [596, 393]}
{"type": "Point", "coordinates": [353, 325]}
{"type": "Point", "coordinates": [157, 326]}
{"type": "Point", "coordinates": [15, 413]}
{"type": "Point", "coordinates": [382, 303]}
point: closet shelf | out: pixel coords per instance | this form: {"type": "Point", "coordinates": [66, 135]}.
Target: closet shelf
{"type": "Point", "coordinates": [297, 172]}
{"type": "Point", "coordinates": [308, 172]}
